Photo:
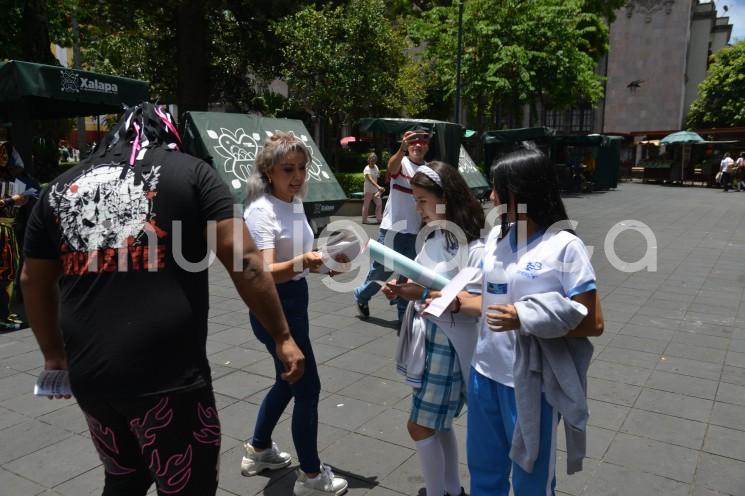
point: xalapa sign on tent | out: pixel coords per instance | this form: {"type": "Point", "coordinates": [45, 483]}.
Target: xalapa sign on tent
{"type": "Point", "coordinates": [30, 91]}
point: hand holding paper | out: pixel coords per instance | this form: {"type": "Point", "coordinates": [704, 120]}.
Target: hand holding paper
{"type": "Point", "coordinates": [407, 290]}
{"type": "Point", "coordinates": [450, 291]}
{"type": "Point", "coordinates": [53, 383]}
{"type": "Point", "coordinates": [340, 249]}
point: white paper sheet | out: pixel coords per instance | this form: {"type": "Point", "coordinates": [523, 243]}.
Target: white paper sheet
{"type": "Point", "coordinates": [341, 243]}
{"type": "Point", "coordinates": [52, 383]}
{"type": "Point", "coordinates": [451, 290]}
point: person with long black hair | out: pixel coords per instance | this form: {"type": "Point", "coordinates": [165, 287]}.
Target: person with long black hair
{"type": "Point", "coordinates": [117, 297]}
{"type": "Point", "coordinates": [438, 368]}
{"type": "Point", "coordinates": [545, 264]}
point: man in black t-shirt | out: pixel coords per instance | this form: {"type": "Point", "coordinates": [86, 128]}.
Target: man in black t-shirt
{"type": "Point", "coordinates": [122, 234]}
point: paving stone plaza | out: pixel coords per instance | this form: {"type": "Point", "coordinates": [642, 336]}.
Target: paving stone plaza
{"type": "Point", "coordinates": [666, 387]}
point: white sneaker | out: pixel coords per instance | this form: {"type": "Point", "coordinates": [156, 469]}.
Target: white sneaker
{"type": "Point", "coordinates": [322, 485]}
{"type": "Point", "coordinates": [255, 461]}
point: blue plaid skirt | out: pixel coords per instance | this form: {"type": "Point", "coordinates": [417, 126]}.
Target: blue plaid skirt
{"type": "Point", "coordinates": [443, 392]}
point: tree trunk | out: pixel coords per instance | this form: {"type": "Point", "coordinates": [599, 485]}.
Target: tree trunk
{"type": "Point", "coordinates": [34, 36]}
{"type": "Point", "coordinates": [192, 59]}
{"type": "Point", "coordinates": [480, 107]}
{"type": "Point", "coordinates": [533, 120]}
{"type": "Point", "coordinates": [497, 115]}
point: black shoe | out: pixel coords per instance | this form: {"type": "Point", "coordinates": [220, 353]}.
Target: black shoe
{"type": "Point", "coordinates": [364, 310]}
{"type": "Point", "coordinates": [462, 493]}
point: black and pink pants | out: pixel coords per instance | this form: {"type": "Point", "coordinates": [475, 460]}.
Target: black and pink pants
{"type": "Point", "coordinates": [170, 439]}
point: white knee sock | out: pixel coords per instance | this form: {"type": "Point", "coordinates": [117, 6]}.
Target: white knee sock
{"type": "Point", "coordinates": [450, 451]}
{"type": "Point", "coordinates": [433, 464]}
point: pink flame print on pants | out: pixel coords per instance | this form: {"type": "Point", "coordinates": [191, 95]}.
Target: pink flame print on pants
{"type": "Point", "coordinates": [174, 476]}
{"type": "Point", "coordinates": [105, 441]}
{"type": "Point", "coordinates": [210, 431]}
{"type": "Point", "coordinates": [158, 417]}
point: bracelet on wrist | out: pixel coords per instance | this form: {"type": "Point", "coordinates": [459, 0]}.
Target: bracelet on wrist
{"type": "Point", "coordinates": [425, 293]}
{"type": "Point", "coordinates": [457, 305]}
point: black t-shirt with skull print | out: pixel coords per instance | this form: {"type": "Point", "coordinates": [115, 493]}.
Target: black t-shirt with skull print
{"type": "Point", "coordinates": [134, 296]}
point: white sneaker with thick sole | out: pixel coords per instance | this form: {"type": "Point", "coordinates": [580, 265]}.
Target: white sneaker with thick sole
{"type": "Point", "coordinates": [324, 484]}
{"type": "Point", "coordinates": [269, 459]}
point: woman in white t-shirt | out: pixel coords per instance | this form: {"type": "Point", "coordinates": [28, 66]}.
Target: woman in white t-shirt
{"type": "Point", "coordinates": [276, 219]}
{"type": "Point", "coordinates": [372, 189]}
{"type": "Point", "coordinates": [545, 257]}
{"type": "Point", "coordinates": [440, 372]}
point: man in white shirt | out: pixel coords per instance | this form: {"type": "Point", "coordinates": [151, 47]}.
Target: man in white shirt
{"type": "Point", "coordinates": [399, 216]}
{"type": "Point", "coordinates": [727, 167]}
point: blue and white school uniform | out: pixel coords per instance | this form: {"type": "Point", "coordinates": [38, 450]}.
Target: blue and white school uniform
{"type": "Point", "coordinates": [442, 393]}
{"type": "Point", "coordinates": [547, 262]}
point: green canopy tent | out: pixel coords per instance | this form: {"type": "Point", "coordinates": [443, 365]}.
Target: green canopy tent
{"type": "Point", "coordinates": [446, 146]}
{"type": "Point", "coordinates": [607, 154]}
{"type": "Point", "coordinates": [683, 138]}
{"type": "Point", "coordinates": [446, 136]}
{"type": "Point", "coordinates": [31, 91]}
{"type": "Point", "coordinates": [474, 178]}
{"type": "Point", "coordinates": [230, 142]}
{"type": "Point", "coordinates": [504, 140]}
{"type": "Point", "coordinates": [518, 134]}
{"type": "Point", "coordinates": [607, 149]}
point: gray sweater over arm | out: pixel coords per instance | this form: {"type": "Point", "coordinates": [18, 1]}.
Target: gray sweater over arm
{"type": "Point", "coordinates": [547, 361]}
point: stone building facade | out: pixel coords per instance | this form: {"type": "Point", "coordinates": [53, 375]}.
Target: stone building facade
{"type": "Point", "coordinates": [659, 51]}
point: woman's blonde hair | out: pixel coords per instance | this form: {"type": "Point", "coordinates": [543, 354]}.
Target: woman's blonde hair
{"type": "Point", "coordinates": [276, 148]}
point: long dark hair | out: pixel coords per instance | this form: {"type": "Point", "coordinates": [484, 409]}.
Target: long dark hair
{"type": "Point", "coordinates": [530, 178]}
{"type": "Point", "coordinates": [464, 210]}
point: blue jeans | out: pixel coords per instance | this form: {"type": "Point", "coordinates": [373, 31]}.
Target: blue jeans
{"type": "Point", "coordinates": [404, 244]}
{"type": "Point", "coordinates": [294, 298]}
{"type": "Point", "coordinates": [491, 421]}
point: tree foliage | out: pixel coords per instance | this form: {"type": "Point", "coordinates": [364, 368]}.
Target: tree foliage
{"type": "Point", "coordinates": [140, 39]}
{"type": "Point", "coordinates": [515, 52]}
{"type": "Point", "coordinates": [720, 100]}
{"type": "Point", "coordinates": [344, 62]}
{"type": "Point", "coordinates": [29, 25]}
{"type": "Point", "coordinates": [343, 58]}
{"type": "Point", "coordinates": [604, 8]}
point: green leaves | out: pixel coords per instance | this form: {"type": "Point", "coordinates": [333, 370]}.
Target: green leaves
{"type": "Point", "coordinates": [516, 51]}
{"type": "Point", "coordinates": [344, 60]}
{"type": "Point", "coordinates": [720, 99]}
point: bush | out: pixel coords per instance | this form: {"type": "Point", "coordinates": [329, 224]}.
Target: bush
{"type": "Point", "coordinates": [354, 182]}
{"type": "Point", "coordinates": [349, 161]}
{"type": "Point", "coordinates": [350, 182]}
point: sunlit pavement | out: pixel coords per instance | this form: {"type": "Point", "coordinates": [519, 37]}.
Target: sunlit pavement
{"type": "Point", "coordinates": [666, 387]}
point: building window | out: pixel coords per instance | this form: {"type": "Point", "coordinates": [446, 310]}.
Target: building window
{"type": "Point", "coordinates": [553, 118]}
{"type": "Point", "coordinates": [576, 120]}
{"type": "Point", "coordinates": [588, 120]}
